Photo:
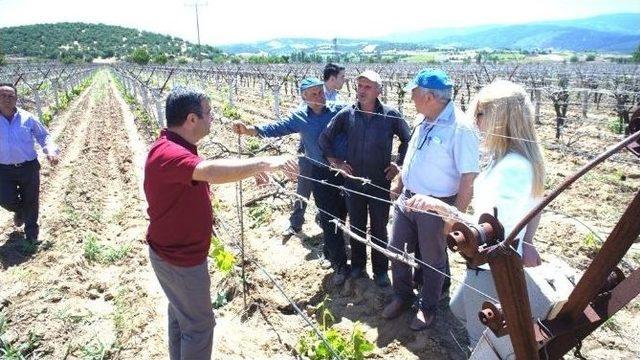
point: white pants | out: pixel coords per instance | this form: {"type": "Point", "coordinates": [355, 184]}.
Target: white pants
{"type": "Point", "coordinates": [466, 303]}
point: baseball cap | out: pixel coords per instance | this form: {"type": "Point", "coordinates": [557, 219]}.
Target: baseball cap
{"type": "Point", "coordinates": [309, 83]}
{"type": "Point", "coordinates": [371, 75]}
{"type": "Point", "coordinates": [430, 79]}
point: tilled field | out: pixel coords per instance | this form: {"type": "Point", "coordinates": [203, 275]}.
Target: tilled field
{"type": "Point", "coordinates": [87, 291]}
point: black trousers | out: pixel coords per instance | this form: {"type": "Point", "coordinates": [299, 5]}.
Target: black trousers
{"type": "Point", "coordinates": [360, 208]}
{"type": "Point", "coordinates": [20, 193]}
{"type": "Point", "coordinates": [329, 199]}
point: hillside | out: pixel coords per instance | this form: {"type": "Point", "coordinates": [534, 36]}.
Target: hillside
{"type": "Point", "coordinates": [89, 41]}
{"type": "Point", "coordinates": [545, 37]}
{"type": "Point", "coordinates": [606, 33]}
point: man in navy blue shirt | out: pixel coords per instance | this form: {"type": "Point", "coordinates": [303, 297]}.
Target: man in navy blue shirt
{"type": "Point", "coordinates": [309, 121]}
{"type": "Point", "coordinates": [19, 167]}
{"type": "Point", "coordinates": [370, 127]}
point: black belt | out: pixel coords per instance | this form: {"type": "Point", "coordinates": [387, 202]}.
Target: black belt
{"type": "Point", "coordinates": [18, 165]}
{"type": "Point", "coordinates": [408, 193]}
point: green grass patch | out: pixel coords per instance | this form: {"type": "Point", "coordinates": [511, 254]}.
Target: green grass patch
{"type": "Point", "coordinates": [423, 58]}
{"type": "Point", "coordinates": [95, 251]}
{"type": "Point", "coordinates": [97, 350]}
{"type": "Point", "coordinates": [253, 144]}
{"type": "Point", "coordinates": [13, 350]}
{"type": "Point", "coordinates": [259, 214]}
{"type": "Point", "coordinates": [230, 112]}
{"type": "Point", "coordinates": [616, 126]}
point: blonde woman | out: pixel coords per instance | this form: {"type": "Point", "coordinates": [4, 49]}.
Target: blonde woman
{"type": "Point", "coordinates": [512, 181]}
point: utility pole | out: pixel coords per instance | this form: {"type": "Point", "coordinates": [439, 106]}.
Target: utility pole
{"type": "Point", "coordinates": [335, 49]}
{"type": "Point", "coordinates": [196, 4]}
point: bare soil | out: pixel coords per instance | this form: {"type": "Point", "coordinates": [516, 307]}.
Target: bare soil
{"type": "Point", "coordinates": [79, 302]}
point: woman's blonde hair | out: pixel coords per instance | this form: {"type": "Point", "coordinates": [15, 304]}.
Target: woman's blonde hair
{"type": "Point", "coordinates": [508, 118]}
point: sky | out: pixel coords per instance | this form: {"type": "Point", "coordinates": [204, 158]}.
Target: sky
{"type": "Point", "coordinates": [232, 21]}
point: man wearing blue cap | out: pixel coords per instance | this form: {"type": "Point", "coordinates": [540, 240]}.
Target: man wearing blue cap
{"type": "Point", "coordinates": [309, 121]}
{"type": "Point", "coordinates": [442, 161]}
{"type": "Point", "coordinates": [370, 127]}
{"type": "Point", "coordinates": [334, 78]}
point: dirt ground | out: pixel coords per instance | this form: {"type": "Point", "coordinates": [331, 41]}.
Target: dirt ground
{"type": "Point", "coordinates": [73, 306]}
{"type": "Point", "coordinates": [88, 291]}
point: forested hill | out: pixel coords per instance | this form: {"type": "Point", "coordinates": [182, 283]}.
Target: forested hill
{"type": "Point", "coordinates": [89, 41]}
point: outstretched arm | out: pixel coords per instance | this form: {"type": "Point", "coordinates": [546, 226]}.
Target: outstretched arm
{"type": "Point", "coordinates": [221, 171]}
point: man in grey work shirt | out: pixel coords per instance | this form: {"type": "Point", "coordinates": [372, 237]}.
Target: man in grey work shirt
{"type": "Point", "coordinates": [369, 126]}
{"type": "Point", "coordinates": [442, 161]}
{"type": "Point", "coordinates": [19, 166]}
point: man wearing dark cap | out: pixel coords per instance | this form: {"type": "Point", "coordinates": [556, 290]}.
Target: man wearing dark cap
{"type": "Point", "coordinates": [176, 185]}
{"type": "Point", "coordinates": [309, 121]}
{"type": "Point", "coordinates": [442, 161]}
{"type": "Point", "coordinates": [334, 78]}
{"type": "Point", "coordinates": [370, 127]}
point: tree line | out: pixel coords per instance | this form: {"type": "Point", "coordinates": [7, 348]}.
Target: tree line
{"type": "Point", "coordinates": [73, 42]}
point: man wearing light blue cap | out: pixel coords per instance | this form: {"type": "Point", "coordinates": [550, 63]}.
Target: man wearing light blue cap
{"type": "Point", "coordinates": [309, 121]}
{"type": "Point", "coordinates": [442, 161]}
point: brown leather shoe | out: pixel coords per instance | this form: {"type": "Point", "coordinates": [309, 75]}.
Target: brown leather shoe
{"type": "Point", "coordinates": [422, 320]}
{"type": "Point", "coordinates": [394, 309]}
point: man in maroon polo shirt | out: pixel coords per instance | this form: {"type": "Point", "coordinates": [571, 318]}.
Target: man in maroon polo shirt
{"type": "Point", "coordinates": [176, 185]}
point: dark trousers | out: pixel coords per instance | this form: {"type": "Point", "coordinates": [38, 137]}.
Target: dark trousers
{"type": "Point", "coordinates": [303, 188]}
{"type": "Point", "coordinates": [330, 201]}
{"type": "Point", "coordinates": [20, 193]}
{"type": "Point", "coordinates": [360, 207]}
{"type": "Point", "coordinates": [424, 231]}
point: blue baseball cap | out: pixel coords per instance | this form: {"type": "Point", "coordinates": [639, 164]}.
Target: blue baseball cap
{"type": "Point", "coordinates": [309, 83]}
{"type": "Point", "coordinates": [430, 79]}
